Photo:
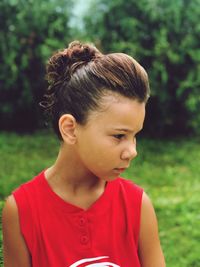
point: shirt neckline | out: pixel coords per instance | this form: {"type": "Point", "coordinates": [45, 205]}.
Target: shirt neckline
{"type": "Point", "coordinates": [56, 201]}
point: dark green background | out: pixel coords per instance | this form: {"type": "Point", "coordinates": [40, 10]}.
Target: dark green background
{"type": "Point", "coordinates": [163, 35]}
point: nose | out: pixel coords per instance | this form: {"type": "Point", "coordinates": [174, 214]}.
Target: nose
{"type": "Point", "coordinates": [130, 152]}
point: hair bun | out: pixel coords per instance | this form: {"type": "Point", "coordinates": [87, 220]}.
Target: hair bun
{"type": "Point", "coordinates": [64, 63]}
{"type": "Point", "coordinates": [81, 52]}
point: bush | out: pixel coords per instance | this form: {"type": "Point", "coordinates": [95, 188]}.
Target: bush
{"type": "Point", "coordinates": [30, 31]}
{"type": "Point", "coordinates": [163, 35]}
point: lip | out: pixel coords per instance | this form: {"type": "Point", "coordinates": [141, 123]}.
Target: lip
{"type": "Point", "coordinates": [120, 169]}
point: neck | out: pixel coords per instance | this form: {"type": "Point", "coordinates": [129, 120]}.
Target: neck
{"type": "Point", "coordinates": [67, 172]}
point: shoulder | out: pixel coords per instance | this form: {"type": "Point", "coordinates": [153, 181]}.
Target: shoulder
{"type": "Point", "coordinates": [23, 204]}
{"type": "Point", "coordinates": [10, 217]}
{"type": "Point", "coordinates": [130, 197]}
{"type": "Point", "coordinates": [130, 190]}
{"type": "Point", "coordinates": [149, 244]}
{"type": "Point", "coordinates": [147, 206]}
{"type": "Point", "coordinates": [148, 217]}
{"type": "Point", "coordinates": [10, 210]}
{"type": "Point", "coordinates": [15, 250]}
{"type": "Point", "coordinates": [28, 188]}
{"type": "Point", "coordinates": [128, 185]}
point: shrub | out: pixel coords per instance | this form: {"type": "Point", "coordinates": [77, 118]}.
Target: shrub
{"type": "Point", "coordinates": [163, 35]}
{"type": "Point", "coordinates": [30, 31]}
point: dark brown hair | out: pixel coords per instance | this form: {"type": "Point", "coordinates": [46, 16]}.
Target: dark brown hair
{"type": "Point", "coordinates": [79, 75]}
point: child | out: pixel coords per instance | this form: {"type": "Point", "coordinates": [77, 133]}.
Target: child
{"type": "Point", "coordinates": [79, 212]}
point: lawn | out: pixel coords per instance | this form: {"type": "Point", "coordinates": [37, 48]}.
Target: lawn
{"type": "Point", "coordinates": [168, 171]}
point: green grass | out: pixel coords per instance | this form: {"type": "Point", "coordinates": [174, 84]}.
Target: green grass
{"type": "Point", "coordinates": [167, 170]}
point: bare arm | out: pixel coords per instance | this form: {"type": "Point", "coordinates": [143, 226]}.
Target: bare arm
{"type": "Point", "coordinates": [150, 250]}
{"type": "Point", "coordinates": [15, 251]}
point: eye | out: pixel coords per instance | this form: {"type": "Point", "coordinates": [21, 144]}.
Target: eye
{"type": "Point", "coordinates": [119, 136]}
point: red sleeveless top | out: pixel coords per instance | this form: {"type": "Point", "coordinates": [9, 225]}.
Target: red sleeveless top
{"type": "Point", "coordinates": [59, 234]}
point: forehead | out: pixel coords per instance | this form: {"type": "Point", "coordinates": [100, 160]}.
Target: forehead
{"type": "Point", "coordinates": [117, 111]}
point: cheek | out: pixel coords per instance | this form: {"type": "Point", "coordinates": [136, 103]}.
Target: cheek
{"type": "Point", "coordinates": [97, 147]}
{"type": "Point", "coordinates": [99, 155]}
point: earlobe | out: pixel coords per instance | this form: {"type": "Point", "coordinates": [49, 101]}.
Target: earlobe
{"type": "Point", "coordinates": [67, 125]}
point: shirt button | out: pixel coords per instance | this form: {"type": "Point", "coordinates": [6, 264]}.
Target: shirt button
{"type": "Point", "coordinates": [82, 221]}
{"type": "Point", "coordinates": [84, 239]}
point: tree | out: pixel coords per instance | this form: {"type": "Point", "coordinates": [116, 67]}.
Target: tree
{"type": "Point", "coordinates": [163, 35]}
{"type": "Point", "coordinates": [30, 32]}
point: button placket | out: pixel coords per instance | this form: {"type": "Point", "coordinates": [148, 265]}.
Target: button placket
{"type": "Point", "coordinates": [84, 231]}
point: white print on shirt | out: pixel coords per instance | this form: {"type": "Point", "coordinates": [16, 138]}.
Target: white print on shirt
{"type": "Point", "coordinates": [100, 264]}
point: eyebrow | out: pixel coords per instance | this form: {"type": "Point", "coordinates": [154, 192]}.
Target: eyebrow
{"type": "Point", "coordinates": [126, 130]}
{"type": "Point", "coordinates": [122, 129]}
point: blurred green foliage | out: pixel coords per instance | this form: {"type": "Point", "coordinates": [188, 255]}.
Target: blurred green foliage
{"type": "Point", "coordinates": [163, 35]}
{"type": "Point", "coordinates": [30, 31]}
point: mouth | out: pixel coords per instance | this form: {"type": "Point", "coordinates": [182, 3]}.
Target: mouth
{"type": "Point", "coordinates": [119, 169]}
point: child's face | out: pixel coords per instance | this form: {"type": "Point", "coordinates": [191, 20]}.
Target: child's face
{"type": "Point", "coordinates": [107, 143]}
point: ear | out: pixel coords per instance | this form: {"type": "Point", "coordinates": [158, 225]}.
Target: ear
{"type": "Point", "coordinates": [67, 125]}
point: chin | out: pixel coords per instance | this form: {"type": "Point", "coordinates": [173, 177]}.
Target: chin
{"type": "Point", "coordinates": [109, 178]}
